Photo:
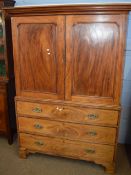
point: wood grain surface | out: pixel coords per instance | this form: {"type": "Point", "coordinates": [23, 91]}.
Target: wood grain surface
{"type": "Point", "coordinates": [68, 113]}
{"type": "Point", "coordinates": [87, 133]}
{"type": "Point", "coordinates": [92, 55]}
{"type": "Point", "coordinates": [38, 56]}
{"type": "Point", "coordinates": [80, 150]}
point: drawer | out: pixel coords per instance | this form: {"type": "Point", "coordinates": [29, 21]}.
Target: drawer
{"type": "Point", "coordinates": [71, 131]}
{"type": "Point", "coordinates": [67, 113]}
{"type": "Point", "coordinates": [54, 146]}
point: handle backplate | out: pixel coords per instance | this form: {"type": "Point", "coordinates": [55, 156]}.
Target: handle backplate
{"type": "Point", "coordinates": [90, 151]}
{"type": "Point", "coordinates": [92, 133]}
{"type": "Point", "coordinates": [38, 126]}
{"type": "Point", "coordinates": [92, 116]}
{"type": "Point", "coordinates": [37, 110]}
{"type": "Point", "coordinates": [39, 143]}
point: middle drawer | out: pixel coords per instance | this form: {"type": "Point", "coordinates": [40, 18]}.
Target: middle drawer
{"type": "Point", "coordinates": [89, 133]}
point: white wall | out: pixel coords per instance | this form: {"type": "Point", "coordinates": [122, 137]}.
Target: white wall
{"type": "Point", "coordinates": [34, 2]}
{"type": "Point", "coordinates": [125, 125]}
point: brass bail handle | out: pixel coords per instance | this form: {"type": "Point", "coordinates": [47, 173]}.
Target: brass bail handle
{"type": "Point", "coordinates": [90, 151]}
{"type": "Point", "coordinates": [92, 133]}
{"type": "Point", "coordinates": [39, 143]}
{"type": "Point", "coordinates": [37, 110]}
{"type": "Point", "coordinates": [38, 126]}
{"type": "Point", "coordinates": [92, 116]}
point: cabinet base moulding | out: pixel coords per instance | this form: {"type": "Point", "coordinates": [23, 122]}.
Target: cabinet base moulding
{"type": "Point", "coordinates": [108, 167]}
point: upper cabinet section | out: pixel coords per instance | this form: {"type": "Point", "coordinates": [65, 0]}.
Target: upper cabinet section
{"type": "Point", "coordinates": [39, 56]}
{"type": "Point", "coordinates": [94, 57]}
{"type": "Point", "coordinates": [77, 58]}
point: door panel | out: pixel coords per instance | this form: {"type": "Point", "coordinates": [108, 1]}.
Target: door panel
{"type": "Point", "coordinates": [38, 56]}
{"type": "Point", "coordinates": [93, 47]}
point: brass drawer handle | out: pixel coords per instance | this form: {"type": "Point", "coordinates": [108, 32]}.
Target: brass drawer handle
{"type": "Point", "coordinates": [90, 151]}
{"type": "Point", "coordinates": [38, 126]}
{"type": "Point", "coordinates": [37, 110]}
{"type": "Point", "coordinates": [92, 116]}
{"type": "Point", "coordinates": [39, 143]}
{"type": "Point", "coordinates": [92, 133]}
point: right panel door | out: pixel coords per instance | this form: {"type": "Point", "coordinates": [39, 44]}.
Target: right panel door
{"type": "Point", "coordinates": [94, 58]}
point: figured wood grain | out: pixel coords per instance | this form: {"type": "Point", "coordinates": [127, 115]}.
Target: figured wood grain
{"type": "Point", "coordinates": [101, 153]}
{"type": "Point", "coordinates": [38, 45]}
{"type": "Point", "coordinates": [92, 55]}
{"type": "Point", "coordinates": [36, 41]}
{"type": "Point", "coordinates": [68, 113]}
{"type": "Point", "coordinates": [87, 133]}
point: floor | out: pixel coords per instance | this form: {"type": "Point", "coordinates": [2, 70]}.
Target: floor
{"type": "Point", "coordinates": [38, 164]}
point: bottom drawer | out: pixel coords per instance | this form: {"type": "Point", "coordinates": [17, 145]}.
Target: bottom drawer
{"type": "Point", "coordinates": [79, 150]}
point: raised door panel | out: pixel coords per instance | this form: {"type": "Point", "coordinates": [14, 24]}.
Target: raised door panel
{"type": "Point", "coordinates": [38, 44]}
{"type": "Point", "coordinates": [94, 58]}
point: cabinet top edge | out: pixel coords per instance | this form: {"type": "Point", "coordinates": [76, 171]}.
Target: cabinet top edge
{"type": "Point", "coordinates": [92, 7]}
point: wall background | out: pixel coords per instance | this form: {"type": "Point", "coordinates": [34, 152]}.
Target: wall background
{"type": "Point", "coordinates": [38, 2]}
{"type": "Point", "coordinates": [125, 124]}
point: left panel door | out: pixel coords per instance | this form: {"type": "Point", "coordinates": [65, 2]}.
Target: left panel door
{"type": "Point", "coordinates": [38, 48]}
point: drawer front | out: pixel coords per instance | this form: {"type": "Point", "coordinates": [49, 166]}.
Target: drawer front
{"type": "Point", "coordinates": [72, 131]}
{"type": "Point", "coordinates": [80, 150]}
{"type": "Point", "coordinates": [67, 113]}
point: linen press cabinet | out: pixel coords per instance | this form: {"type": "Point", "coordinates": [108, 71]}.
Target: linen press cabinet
{"type": "Point", "coordinates": [68, 63]}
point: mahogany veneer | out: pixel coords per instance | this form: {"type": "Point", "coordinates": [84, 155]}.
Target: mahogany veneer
{"type": "Point", "coordinates": [68, 64]}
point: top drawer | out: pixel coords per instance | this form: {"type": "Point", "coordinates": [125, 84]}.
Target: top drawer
{"type": "Point", "coordinates": [67, 113]}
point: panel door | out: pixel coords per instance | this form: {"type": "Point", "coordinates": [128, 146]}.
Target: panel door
{"type": "Point", "coordinates": [94, 53]}
{"type": "Point", "coordinates": [38, 46]}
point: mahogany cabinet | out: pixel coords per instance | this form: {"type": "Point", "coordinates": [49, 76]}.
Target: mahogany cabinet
{"type": "Point", "coordinates": [68, 64]}
{"type": "Point", "coordinates": [7, 115]}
